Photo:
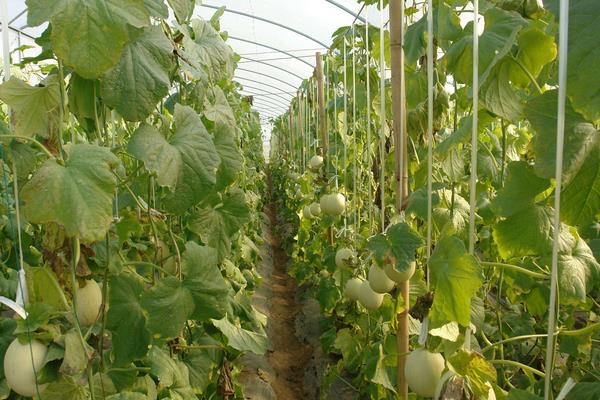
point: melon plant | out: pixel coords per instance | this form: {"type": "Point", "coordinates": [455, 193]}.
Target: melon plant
{"type": "Point", "coordinates": [306, 212]}
{"type": "Point", "coordinates": [369, 299]}
{"type": "Point", "coordinates": [89, 302]}
{"type": "Point", "coordinates": [379, 281]}
{"type": "Point", "coordinates": [315, 163]}
{"type": "Point", "coordinates": [397, 276]}
{"type": "Point", "coordinates": [352, 288]}
{"type": "Point", "coordinates": [315, 209]}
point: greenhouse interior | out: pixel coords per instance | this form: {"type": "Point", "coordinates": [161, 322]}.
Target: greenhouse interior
{"type": "Point", "coordinates": [316, 200]}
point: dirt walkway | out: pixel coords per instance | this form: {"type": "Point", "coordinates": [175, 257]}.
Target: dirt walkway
{"type": "Point", "coordinates": [288, 357]}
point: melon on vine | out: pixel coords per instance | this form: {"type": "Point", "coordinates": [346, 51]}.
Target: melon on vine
{"type": "Point", "coordinates": [315, 209]}
{"type": "Point", "coordinates": [343, 256]}
{"type": "Point", "coordinates": [423, 371]}
{"type": "Point", "coordinates": [352, 288]}
{"type": "Point", "coordinates": [333, 204]}
{"type": "Point", "coordinates": [398, 276]}
{"type": "Point", "coordinates": [89, 302]}
{"type": "Point", "coordinates": [315, 163]}
{"type": "Point", "coordinates": [379, 281]}
{"type": "Point", "coordinates": [22, 362]}
{"type": "Point", "coordinates": [368, 298]}
{"type": "Point", "coordinates": [306, 212]}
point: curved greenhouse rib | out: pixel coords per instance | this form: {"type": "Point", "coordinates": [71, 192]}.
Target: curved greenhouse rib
{"type": "Point", "coordinates": [349, 11]}
{"type": "Point", "coordinates": [252, 60]}
{"type": "Point", "coordinates": [261, 83]}
{"type": "Point", "coordinates": [272, 48]}
{"type": "Point", "coordinates": [266, 75]}
{"type": "Point", "coordinates": [280, 99]}
{"type": "Point", "coordinates": [272, 101]}
{"type": "Point", "coordinates": [268, 21]}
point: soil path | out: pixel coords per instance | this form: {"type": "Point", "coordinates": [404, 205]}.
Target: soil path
{"type": "Point", "coordinates": [288, 357]}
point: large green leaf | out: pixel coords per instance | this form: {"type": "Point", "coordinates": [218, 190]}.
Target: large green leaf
{"type": "Point", "coordinates": [216, 224]}
{"type": "Point", "coordinates": [76, 356]}
{"type": "Point", "coordinates": [77, 195]}
{"type": "Point", "coordinates": [520, 190]}
{"type": "Point", "coordinates": [580, 136]}
{"type": "Point", "coordinates": [171, 374]}
{"type": "Point", "coordinates": [242, 339]}
{"type": "Point", "coordinates": [456, 276]}
{"type": "Point", "coordinates": [157, 8]}
{"type": "Point", "coordinates": [536, 49]}
{"type": "Point", "coordinates": [497, 94]}
{"type": "Point", "coordinates": [232, 160]}
{"type": "Point", "coordinates": [578, 273]}
{"type": "Point", "coordinates": [141, 78]}
{"type": "Point", "coordinates": [187, 162]}
{"type": "Point", "coordinates": [463, 132]}
{"type": "Point", "coordinates": [218, 109]}
{"type": "Point", "coordinates": [501, 30]}
{"type": "Point", "coordinates": [202, 362]}
{"type": "Point", "coordinates": [580, 201]}
{"type": "Point", "coordinates": [399, 240]}
{"type": "Point", "coordinates": [202, 277]}
{"type": "Point", "coordinates": [65, 388]}
{"type": "Point", "coordinates": [84, 28]}
{"type": "Point", "coordinates": [585, 390]}
{"type": "Point", "coordinates": [43, 287]}
{"type": "Point", "coordinates": [35, 108]}
{"type": "Point", "coordinates": [207, 51]}
{"type": "Point", "coordinates": [183, 9]}
{"type": "Point", "coordinates": [583, 57]}
{"type": "Point", "coordinates": [530, 232]}
{"type": "Point", "coordinates": [126, 318]}
{"type": "Point", "coordinates": [168, 301]}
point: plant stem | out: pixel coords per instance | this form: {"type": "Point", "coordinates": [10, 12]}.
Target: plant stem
{"type": "Point", "coordinates": [32, 140]}
{"type": "Point", "coordinates": [529, 74]}
{"type": "Point", "coordinates": [532, 274]}
{"type": "Point", "coordinates": [519, 365]}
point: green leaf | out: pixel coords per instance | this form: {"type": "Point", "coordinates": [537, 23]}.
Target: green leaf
{"type": "Point", "coordinates": [183, 9]}
{"type": "Point", "coordinates": [40, 11]}
{"type": "Point", "coordinates": [157, 8]}
{"type": "Point", "coordinates": [530, 233]}
{"type": "Point", "coordinates": [141, 78]}
{"type": "Point", "coordinates": [520, 190]}
{"type": "Point", "coordinates": [518, 394]}
{"type": "Point", "coordinates": [463, 134]}
{"type": "Point", "coordinates": [578, 273]}
{"type": "Point", "coordinates": [35, 108]}
{"type": "Point", "coordinates": [580, 200]}
{"type": "Point", "coordinates": [76, 357]}
{"type": "Point", "coordinates": [78, 196]}
{"type": "Point", "coordinates": [585, 390]}
{"type": "Point", "coordinates": [376, 369]}
{"type": "Point", "coordinates": [399, 239]}
{"type": "Point", "coordinates": [203, 362]}
{"type": "Point", "coordinates": [168, 301]}
{"type": "Point", "coordinates": [580, 136]}
{"type": "Point", "coordinates": [456, 276]}
{"type": "Point", "coordinates": [217, 224]}
{"type": "Point", "coordinates": [536, 49]}
{"type": "Point", "coordinates": [242, 339]}
{"type": "Point", "coordinates": [65, 388]}
{"type": "Point", "coordinates": [207, 51]}
{"type": "Point", "coordinates": [202, 277]}
{"type": "Point", "coordinates": [172, 374]}
{"type": "Point", "coordinates": [583, 57]}
{"type": "Point", "coordinates": [87, 26]}
{"type": "Point", "coordinates": [43, 287]}
{"type": "Point", "coordinates": [218, 110]}
{"type": "Point", "coordinates": [126, 318]}
{"type": "Point", "coordinates": [232, 160]}
{"type": "Point", "coordinates": [478, 371]}
{"type": "Point", "coordinates": [187, 162]}
{"type": "Point", "coordinates": [497, 94]}
{"type": "Point", "coordinates": [501, 30]}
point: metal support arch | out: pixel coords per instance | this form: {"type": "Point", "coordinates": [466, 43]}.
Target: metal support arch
{"type": "Point", "coordinates": [267, 76]}
{"type": "Point", "coordinates": [272, 48]}
{"type": "Point", "coordinates": [256, 17]}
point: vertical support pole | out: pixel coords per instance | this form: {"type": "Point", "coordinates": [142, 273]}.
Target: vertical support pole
{"type": "Point", "coordinates": [396, 9]}
{"type": "Point", "coordinates": [300, 119]}
{"type": "Point", "coordinates": [291, 136]}
{"type": "Point", "coordinates": [321, 112]}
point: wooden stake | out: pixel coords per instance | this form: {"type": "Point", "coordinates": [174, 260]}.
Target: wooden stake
{"type": "Point", "coordinates": [401, 158]}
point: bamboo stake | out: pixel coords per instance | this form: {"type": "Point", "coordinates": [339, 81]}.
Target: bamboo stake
{"type": "Point", "coordinates": [321, 112]}
{"type": "Point", "coordinates": [396, 10]}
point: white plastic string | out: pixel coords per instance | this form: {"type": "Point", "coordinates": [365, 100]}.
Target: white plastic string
{"type": "Point", "coordinates": [475, 130]}
{"type": "Point", "coordinates": [429, 128]}
{"type": "Point", "coordinates": [354, 166]}
{"type": "Point", "coordinates": [345, 94]}
{"type": "Point", "coordinates": [563, 42]}
{"type": "Point", "coordinates": [335, 132]}
{"type": "Point", "coordinates": [382, 154]}
{"type": "Point", "coordinates": [368, 144]}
